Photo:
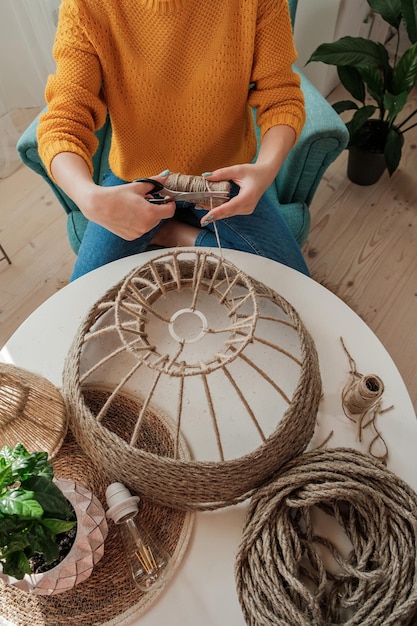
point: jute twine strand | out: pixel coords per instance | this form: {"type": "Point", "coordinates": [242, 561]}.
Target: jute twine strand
{"type": "Point", "coordinates": [211, 205]}
{"type": "Point", "coordinates": [287, 574]}
{"type": "Point", "coordinates": [200, 485]}
{"type": "Point", "coordinates": [362, 402]}
{"type": "Point", "coordinates": [183, 182]}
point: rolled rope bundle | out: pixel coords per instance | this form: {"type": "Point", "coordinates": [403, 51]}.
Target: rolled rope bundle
{"type": "Point", "coordinates": [363, 394]}
{"type": "Point", "coordinates": [184, 182]}
{"type": "Point", "coordinates": [288, 574]}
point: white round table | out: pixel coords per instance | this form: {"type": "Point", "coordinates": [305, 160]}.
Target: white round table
{"type": "Point", "coordinates": [203, 589]}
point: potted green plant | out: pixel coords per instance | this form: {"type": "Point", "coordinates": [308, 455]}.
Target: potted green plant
{"type": "Point", "coordinates": [380, 86]}
{"type": "Point", "coordinates": [42, 524]}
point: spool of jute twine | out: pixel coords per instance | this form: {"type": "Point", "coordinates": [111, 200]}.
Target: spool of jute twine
{"type": "Point", "coordinates": [184, 182]}
{"type": "Point", "coordinates": [362, 403]}
{"type": "Point", "coordinates": [363, 394]}
{"type": "Point", "coordinates": [193, 484]}
{"type": "Point", "coordinates": [289, 573]}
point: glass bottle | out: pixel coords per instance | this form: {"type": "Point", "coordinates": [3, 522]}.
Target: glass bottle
{"type": "Point", "coordinates": [149, 564]}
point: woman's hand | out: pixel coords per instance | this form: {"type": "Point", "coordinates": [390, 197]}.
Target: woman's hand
{"type": "Point", "coordinates": [122, 209]}
{"type": "Point", "coordinates": [253, 182]}
{"type": "Point", "coordinates": [253, 178]}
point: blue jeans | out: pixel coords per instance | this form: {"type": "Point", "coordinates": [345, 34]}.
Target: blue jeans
{"type": "Point", "coordinates": [264, 233]}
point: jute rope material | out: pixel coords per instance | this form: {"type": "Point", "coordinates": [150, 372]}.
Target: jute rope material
{"type": "Point", "coordinates": [362, 403]}
{"type": "Point", "coordinates": [289, 574]}
{"type": "Point", "coordinates": [171, 481]}
{"type": "Point", "coordinates": [184, 182]}
{"type": "Point", "coordinates": [363, 394]}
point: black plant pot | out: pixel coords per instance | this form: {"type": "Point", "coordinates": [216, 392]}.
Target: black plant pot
{"type": "Point", "coordinates": [365, 168]}
{"type": "Point", "coordinates": [366, 162]}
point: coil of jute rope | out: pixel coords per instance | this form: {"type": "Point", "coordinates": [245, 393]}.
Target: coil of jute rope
{"type": "Point", "coordinates": [289, 574]}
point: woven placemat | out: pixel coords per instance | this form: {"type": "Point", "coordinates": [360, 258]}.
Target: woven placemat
{"type": "Point", "coordinates": [108, 597]}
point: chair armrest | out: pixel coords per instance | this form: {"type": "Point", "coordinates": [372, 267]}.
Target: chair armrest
{"type": "Point", "coordinates": [27, 148]}
{"type": "Point", "coordinates": [323, 138]}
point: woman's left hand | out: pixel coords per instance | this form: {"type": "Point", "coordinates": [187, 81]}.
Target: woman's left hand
{"type": "Point", "coordinates": [253, 178]}
{"type": "Point", "coordinates": [252, 181]}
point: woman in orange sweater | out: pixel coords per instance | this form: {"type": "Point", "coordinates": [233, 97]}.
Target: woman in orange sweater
{"type": "Point", "coordinates": [178, 78]}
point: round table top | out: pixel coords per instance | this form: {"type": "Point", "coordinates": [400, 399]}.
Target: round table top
{"type": "Point", "coordinates": [203, 590]}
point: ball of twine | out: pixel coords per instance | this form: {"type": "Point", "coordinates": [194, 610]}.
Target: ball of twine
{"type": "Point", "coordinates": [184, 182]}
{"type": "Point", "coordinates": [193, 484]}
{"type": "Point", "coordinates": [363, 393]}
{"type": "Point", "coordinates": [288, 574]}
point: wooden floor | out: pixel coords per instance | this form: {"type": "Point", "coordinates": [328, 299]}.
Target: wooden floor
{"type": "Point", "coordinates": [362, 246]}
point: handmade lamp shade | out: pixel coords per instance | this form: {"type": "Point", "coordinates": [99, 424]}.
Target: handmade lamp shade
{"type": "Point", "coordinates": [221, 357]}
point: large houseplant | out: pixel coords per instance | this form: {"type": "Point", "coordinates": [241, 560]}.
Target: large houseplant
{"type": "Point", "coordinates": [380, 86]}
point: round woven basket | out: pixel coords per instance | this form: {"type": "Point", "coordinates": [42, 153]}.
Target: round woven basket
{"type": "Point", "coordinates": [32, 411]}
{"type": "Point", "coordinates": [138, 315]}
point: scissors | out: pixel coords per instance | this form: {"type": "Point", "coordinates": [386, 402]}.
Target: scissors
{"type": "Point", "coordinates": [169, 195]}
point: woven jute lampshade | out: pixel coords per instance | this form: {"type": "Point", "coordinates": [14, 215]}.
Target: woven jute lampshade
{"type": "Point", "coordinates": [32, 411]}
{"type": "Point", "coordinates": [195, 339]}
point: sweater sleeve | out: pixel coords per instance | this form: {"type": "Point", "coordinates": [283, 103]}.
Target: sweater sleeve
{"type": "Point", "coordinates": [276, 93]}
{"type": "Point", "coordinates": [75, 103]}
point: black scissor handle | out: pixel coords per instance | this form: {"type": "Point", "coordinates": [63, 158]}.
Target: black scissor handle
{"type": "Point", "coordinates": [157, 186]}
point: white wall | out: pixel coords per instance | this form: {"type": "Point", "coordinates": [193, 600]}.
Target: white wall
{"type": "Point", "coordinates": [320, 21]}
{"type": "Point", "coordinates": [27, 29]}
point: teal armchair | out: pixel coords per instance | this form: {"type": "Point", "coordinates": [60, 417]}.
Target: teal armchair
{"type": "Point", "coordinates": [323, 138]}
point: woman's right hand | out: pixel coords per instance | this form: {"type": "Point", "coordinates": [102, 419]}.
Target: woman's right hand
{"type": "Point", "coordinates": [122, 209]}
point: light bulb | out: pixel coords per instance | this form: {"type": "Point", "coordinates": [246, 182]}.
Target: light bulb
{"type": "Point", "coordinates": [149, 564]}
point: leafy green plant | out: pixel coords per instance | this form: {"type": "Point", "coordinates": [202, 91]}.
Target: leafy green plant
{"type": "Point", "coordinates": [33, 510]}
{"type": "Point", "coordinates": [379, 83]}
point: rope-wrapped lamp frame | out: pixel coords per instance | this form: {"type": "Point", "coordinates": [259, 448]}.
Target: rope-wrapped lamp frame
{"type": "Point", "coordinates": [194, 484]}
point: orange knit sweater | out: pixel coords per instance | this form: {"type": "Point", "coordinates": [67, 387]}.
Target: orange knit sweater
{"type": "Point", "coordinates": [174, 76]}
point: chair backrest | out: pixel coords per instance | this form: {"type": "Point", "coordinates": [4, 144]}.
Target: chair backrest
{"type": "Point", "coordinates": [293, 8]}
